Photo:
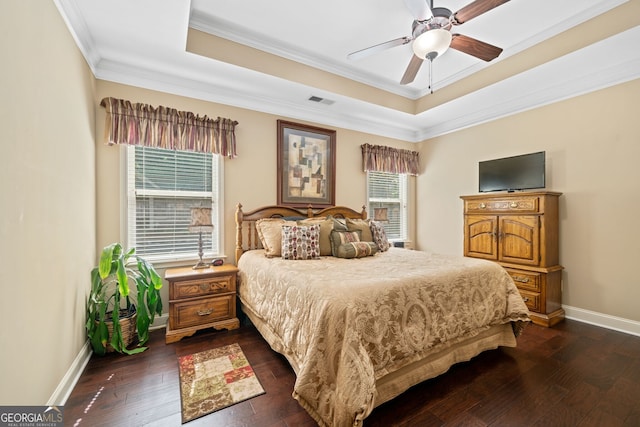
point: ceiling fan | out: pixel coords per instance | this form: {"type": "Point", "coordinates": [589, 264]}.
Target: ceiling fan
{"type": "Point", "coordinates": [431, 35]}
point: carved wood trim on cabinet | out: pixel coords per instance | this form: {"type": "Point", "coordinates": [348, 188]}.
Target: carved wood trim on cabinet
{"type": "Point", "coordinates": [520, 232]}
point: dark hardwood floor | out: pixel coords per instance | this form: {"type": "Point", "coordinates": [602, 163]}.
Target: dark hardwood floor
{"type": "Point", "coordinates": [573, 374]}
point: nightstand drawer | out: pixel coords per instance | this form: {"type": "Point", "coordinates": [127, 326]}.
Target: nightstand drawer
{"type": "Point", "coordinates": [201, 287]}
{"type": "Point", "coordinates": [527, 280]}
{"type": "Point", "coordinates": [201, 311]}
{"type": "Point", "coordinates": [531, 299]}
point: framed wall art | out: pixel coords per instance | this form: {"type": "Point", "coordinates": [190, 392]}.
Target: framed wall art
{"type": "Point", "coordinates": [306, 165]}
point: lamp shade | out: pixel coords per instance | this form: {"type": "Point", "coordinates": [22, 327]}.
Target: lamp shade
{"type": "Point", "coordinates": [432, 43]}
{"type": "Point", "coordinates": [200, 220]}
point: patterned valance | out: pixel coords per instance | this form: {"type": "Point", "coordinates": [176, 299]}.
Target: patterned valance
{"type": "Point", "coordinates": [163, 127]}
{"type": "Point", "coordinates": [379, 158]}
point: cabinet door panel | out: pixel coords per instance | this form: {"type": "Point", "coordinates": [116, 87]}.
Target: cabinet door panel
{"type": "Point", "coordinates": [480, 241]}
{"type": "Point", "coordinates": [519, 239]}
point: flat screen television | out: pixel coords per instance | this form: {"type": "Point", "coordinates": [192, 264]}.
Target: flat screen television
{"type": "Point", "coordinates": [524, 172]}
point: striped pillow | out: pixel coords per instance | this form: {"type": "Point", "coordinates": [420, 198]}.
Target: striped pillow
{"type": "Point", "coordinates": [341, 237]}
{"type": "Point", "coordinates": [357, 250]}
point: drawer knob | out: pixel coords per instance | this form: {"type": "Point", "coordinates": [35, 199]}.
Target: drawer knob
{"type": "Point", "coordinates": [482, 205]}
{"type": "Point", "coordinates": [514, 204]}
{"type": "Point", "coordinates": [205, 312]}
{"type": "Point", "coordinates": [525, 299]}
{"type": "Point", "coordinates": [204, 287]}
{"type": "Point", "coordinates": [520, 279]}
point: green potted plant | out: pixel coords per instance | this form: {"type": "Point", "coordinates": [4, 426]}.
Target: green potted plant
{"type": "Point", "coordinates": [110, 305]}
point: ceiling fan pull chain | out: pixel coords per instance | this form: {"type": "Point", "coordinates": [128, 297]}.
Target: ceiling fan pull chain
{"type": "Point", "coordinates": [431, 75]}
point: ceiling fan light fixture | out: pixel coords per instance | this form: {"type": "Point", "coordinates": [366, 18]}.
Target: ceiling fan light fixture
{"type": "Point", "coordinates": [432, 43]}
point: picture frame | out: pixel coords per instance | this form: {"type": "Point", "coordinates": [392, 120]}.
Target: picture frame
{"type": "Point", "coordinates": [306, 165]}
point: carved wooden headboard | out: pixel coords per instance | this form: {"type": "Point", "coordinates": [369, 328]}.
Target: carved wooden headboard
{"type": "Point", "coordinates": [247, 235]}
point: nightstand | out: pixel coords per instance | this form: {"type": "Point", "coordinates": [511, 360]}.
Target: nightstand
{"type": "Point", "coordinates": [199, 299]}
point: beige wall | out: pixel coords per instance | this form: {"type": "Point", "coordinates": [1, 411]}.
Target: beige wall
{"type": "Point", "coordinates": [593, 148]}
{"type": "Point", "coordinates": [249, 179]}
{"type": "Point", "coordinates": [54, 166]}
{"type": "Point", "coordinates": [47, 200]}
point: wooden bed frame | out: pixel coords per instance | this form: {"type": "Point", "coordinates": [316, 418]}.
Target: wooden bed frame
{"type": "Point", "coordinates": [393, 384]}
{"type": "Point", "coordinates": [246, 221]}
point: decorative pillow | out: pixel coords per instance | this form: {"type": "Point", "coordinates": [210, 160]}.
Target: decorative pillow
{"type": "Point", "coordinates": [326, 225]}
{"type": "Point", "coordinates": [363, 226]}
{"type": "Point", "coordinates": [270, 234]}
{"type": "Point", "coordinates": [339, 224]}
{"type": "Point", "coordinates": [357, 250]}
{"type": "Point", "coordinates": [380, 236]}
{"type": "Point", "coordinates": [301, 242]}
{"type": "Point", "coordinates": [341, 237]}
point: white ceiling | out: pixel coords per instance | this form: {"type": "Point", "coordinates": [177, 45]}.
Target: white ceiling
{"type": "Point", "coordinates": [143, 43]}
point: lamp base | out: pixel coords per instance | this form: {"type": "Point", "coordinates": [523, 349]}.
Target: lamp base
{"type": "Point", "coordinates": [200, 264]}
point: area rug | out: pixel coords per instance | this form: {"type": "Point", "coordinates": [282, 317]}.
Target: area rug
{"type": "Point", "coordinates": [215, 379]}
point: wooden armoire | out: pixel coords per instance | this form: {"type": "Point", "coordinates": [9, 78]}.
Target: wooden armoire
{"type": "Point", "coordinates": [520, 232]}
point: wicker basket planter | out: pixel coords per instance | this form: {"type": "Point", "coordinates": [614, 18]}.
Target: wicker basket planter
{"type": "Point", "coordinates": [122, 279]}
{"type": "Point", "coordinates": [127, 326]}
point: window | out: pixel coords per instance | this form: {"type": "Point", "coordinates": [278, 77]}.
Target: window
{"type": "Point", "coordinates": [389, 190]}
{"type": "Point", "coordinates": [162, 187]}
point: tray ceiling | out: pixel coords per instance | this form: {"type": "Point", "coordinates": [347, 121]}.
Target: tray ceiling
{"type": "Point", "coordinates": [274, 56]}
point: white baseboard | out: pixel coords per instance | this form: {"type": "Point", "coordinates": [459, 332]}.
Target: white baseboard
{"type": "Point", "coordinates": [65, 387]}
{"type": "Point", "coordinates": [63, 391]}
{"type": "Point", "coordinates": [603, 320]}
{"type": "Point", "coordinates": [159, 322]}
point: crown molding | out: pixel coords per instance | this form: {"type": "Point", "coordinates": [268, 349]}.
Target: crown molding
{"type": "Point", "coordinates": [572, 75]}
{"type": "Point", "coordinates": [223, 93]}
{"type": "Point", "coordinates": [548, 83]}
{"type": "Point", "coordinates": [230, 31]}
{"type": "Point", "coordinates": [77, 26]}
{"type": "Point", "coordinates": [605, 63]}
{"type": "Point", "coordinates": [563, 26]}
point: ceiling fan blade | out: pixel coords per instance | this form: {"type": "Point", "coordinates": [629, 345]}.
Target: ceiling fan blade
{"type": "Point", "coordinates": [473, 47]}
{"type": "Point", "coordinates": [474, 9]}
{"type": "Point", "coordinates": [379, 48]}
{"type": "Point", "coordinates": [412, 70]}
{"type": "Point", "coordinates": [420, 9]}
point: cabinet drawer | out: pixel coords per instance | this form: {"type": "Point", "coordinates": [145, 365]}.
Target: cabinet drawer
{"type": "Point", "coordinates": [512, 204]}
{"type": "Point", "coordinates": [526, 280]}
{"type": "Point", "coordinates": [201, 311]}
{"type": "Point", "coordinates": [196, 288]}
{"type": "Point", "coordinates": [531, 299]}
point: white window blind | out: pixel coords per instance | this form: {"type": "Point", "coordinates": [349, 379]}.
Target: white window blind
{"type": "Point", "coordinates": [389, 190]}
{"type": "Point", "coordinates": [162, 187]}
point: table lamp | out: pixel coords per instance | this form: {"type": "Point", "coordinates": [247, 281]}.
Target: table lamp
{"type": "Point", "coordinates": [200, 222]}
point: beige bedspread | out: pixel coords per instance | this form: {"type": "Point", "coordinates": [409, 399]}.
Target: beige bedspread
{"type": "Point", "coordinates": [344, 323]}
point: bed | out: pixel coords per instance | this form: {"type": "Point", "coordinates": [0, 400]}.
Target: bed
{"type": "Point", "coordinates": [359, 331]}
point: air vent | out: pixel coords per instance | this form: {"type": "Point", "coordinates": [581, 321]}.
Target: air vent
{"type": "Point", "coordinates": [321, 100]}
